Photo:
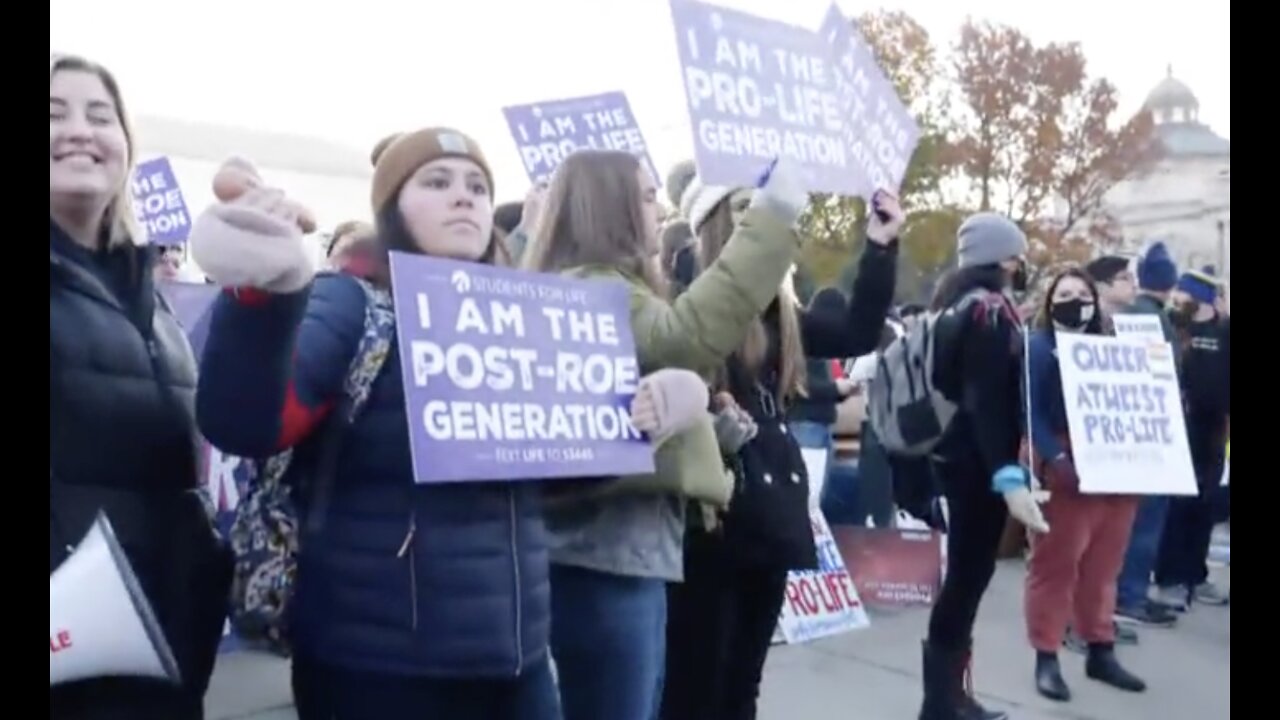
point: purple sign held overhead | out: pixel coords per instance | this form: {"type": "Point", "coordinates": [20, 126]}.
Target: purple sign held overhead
{"type": "Point", "coordinates": [881, 132]}
{"type": "Point", "coordinates": [758, 89]}
{"type": "Point", "coordinates": [547, 133]}
{"type": "Point", "coordinates": [158, 203]}
{"type": "Point", "coordinates": [515, 376]}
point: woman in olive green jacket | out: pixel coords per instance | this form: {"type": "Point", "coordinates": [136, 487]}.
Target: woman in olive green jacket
{"type": "Point", "coordinates": [612, 555]}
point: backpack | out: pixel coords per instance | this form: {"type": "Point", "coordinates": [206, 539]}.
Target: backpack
{"type": "Point", "coordinates": [908, 412]}
{"type": "Point", "coordinates": [266, 531]}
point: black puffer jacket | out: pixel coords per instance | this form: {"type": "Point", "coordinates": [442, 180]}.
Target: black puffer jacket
{"type": "Point", "coordinates": [122, 439]}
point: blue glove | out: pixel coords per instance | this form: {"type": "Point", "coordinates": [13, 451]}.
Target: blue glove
{"type": "Point", "coordinates": [1009, 477]}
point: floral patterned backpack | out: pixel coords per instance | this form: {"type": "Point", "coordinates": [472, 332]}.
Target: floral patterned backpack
{"type": "Point", "coordinates": [268, 527]}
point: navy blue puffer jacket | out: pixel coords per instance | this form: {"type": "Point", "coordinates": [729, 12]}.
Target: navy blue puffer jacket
{"type": "Point", "coordinates": [426, 580]}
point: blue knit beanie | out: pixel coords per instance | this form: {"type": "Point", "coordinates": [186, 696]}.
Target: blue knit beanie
{"type": "Point", "coordinates": [1201, 286]}
{"type": "Point", "coordinates": [1156, 269]}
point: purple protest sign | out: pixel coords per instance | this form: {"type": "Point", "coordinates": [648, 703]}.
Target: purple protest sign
{"type": "Point", "coordinates": [546, 133]}
{"type": "Point", "coordinates": [759, 89]}
{"type": "Point", "coordinates": [158, 203]}
{"type": "Point", "coordinates": [515, 376]}
{"type": "Point", "coordinates": [192, 305]}
{"type": "Point", "coordinates": [881, 132]}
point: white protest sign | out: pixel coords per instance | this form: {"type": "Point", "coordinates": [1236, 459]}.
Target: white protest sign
{"type": "Point", "coordinates": [1140, 327]}
{"type": "Point", "coordinates": [823, 602]}
{"type": "Point", "coordinates": [1124, 412]}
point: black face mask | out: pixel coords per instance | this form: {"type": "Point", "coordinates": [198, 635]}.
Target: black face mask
{"type": "Point", "coordinates": [1074, 314]}
{"type": "Point", "coordinates": [1018, 281]}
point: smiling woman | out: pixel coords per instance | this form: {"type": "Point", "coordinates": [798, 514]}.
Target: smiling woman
{"type": "Point", "coordinates": [122, 377]}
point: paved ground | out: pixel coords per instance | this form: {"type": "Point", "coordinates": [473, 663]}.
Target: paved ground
{"type": "Point", "coordinates": [875, 674]}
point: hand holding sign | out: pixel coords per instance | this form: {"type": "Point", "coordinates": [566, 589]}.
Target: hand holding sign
{"type": "Point", "coordinates": [668, 402]}
{"type": "Point", "coordinates": [253, 237]}
{"type": "Point", "coordinates": [886, 218]}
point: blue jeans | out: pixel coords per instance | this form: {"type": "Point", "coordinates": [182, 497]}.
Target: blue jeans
{"type": "Point", "coordinates": [814, 436]}
{"type": "Point", "coordinates": [1144, 548]}
{"type": "Point", "coordinates": [861, 488]}
{"type": "Point", "coordinates": [608, 637]}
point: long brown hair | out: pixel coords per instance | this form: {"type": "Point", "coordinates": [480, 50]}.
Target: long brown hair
{"type": "Point", "coordinates": [713, 236]}
{"type": "Point", "coordinates": [593, 216]}
{"type": "Point", "coordinates": [118, 222]}
{"type": "Point", "coordinates": [1099, 324]}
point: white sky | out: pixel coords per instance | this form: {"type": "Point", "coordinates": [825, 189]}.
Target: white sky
{"type": "Point", "coordinates": [356, 71]}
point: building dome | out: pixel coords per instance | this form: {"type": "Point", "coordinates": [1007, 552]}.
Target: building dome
{"type": "Point", "coordinates": [1171, 94]}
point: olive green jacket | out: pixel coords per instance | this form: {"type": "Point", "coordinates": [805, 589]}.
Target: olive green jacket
{"type": "Point", "coordinates": [611, 529]}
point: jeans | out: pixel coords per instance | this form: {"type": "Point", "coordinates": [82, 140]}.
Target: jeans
{"type": "Point", "coordinates": [608, 636]}
{"type": "Point", "coordinates": [719, 633]}
{"type": "Point", "coordinates": [1144, 548]}
{"type": "Point", "coordinates": [861, 488]}
{"type": "Point", "coordinates": [814, 436]}
{"type": "Point", "coordinates": [1188, 531]}
{"type": "Point", "coordinates": [324, 692]}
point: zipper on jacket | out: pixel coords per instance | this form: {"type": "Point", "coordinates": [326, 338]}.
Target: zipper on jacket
{"type": "Point", "coordinates": [406, 548]}
{"type": "Point", "coordinates": [515, 571]}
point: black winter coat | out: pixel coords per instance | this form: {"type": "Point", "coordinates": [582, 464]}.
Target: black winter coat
{"type": "Point", "coordinates": [767, 524]}
{"type": "Point", "coordinates": [122, 439]}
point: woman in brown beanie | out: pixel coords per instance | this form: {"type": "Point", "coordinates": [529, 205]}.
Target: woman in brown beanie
{"type": "Point", "coordinates": [411, 601]}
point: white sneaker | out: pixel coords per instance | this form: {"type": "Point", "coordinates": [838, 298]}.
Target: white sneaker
{"type": "Point", "coordinates": [1177, 598]}
{"type": "Point", "coordinates": [1209, 594]}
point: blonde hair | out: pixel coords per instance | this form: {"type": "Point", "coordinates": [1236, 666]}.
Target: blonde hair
{"type": "Point", "coordinates": [118, 221]}
{"type": "Point", "coordinates": [792, 378]}
{"type": "Point", "coordinates": [593, 216]}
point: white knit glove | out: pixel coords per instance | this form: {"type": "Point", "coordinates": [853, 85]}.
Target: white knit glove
{"type": "Point", "coordinates": [1013, 483]}
{"type": "Point", "coordinates": [253, 241]}
{"type": "Point", "coordinates": [668, 402]}
{"type": "Point", "coordinates": [781, 192]}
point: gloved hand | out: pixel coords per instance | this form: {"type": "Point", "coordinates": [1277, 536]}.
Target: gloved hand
{"type": "Point", "coordinates": [885, 219]}
{"type": "Point", "coordinates": [734, 428]}
{"type": "Point", "coordinates": [253, 241]}
{"type": "Point", "coordinates": [667, 402]}
{"type": "Point", "coordinates": [781, 192]}
{"type": "Point", "coordinates": [1012, 482]}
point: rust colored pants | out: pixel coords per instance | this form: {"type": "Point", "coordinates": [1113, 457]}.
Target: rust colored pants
{"type": "Point", "coordinates": [1073, 569]}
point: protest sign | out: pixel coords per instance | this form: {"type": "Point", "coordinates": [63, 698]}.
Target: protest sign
{"type": "Point", "coordinates": [224, 478]}
{"type": "Point", "coordinates": [758, 89]}
{"type": "Point", "coordinates": [158, 204]}
{"type": "Point", "coordinates": [547, 133]}
{"type": "Point", "coordinates": [823, 602]}
{"type": "Point", "coordinates": [1139, 327]}
{"type": "Point", "coordinates": [879, 130]}
{"type": "Point", "coordinates": [892, 567]}
{"type": "Point", "coordinates": [1124, 411]}
{"type": "Point", "coordinates": [512, 376]}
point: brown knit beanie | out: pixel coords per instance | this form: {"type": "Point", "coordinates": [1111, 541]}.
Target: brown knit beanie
{"type": "Point", "coordinates": [398, 156]}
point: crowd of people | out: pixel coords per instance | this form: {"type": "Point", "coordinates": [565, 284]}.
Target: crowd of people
{"type": "Point", "coordinates": [634, 599]}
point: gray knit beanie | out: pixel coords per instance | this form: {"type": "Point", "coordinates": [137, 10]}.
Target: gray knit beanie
{"type": "Point", "coordinates": [988, 238]}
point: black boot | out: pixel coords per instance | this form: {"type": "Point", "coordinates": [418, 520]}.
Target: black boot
{"type": "Point", "coordinates": [969, 707]}
{"type": "Point", "coordinates": [1103, 666]}
{"type": "Point", "coordinates": [945, 694]}
{"type": "Point", "coordinates": [1049, 682]}
{"type": "Point", "coordinates": [939, 699]}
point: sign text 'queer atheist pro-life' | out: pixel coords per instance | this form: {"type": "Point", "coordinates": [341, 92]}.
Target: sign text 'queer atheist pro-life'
{"type": "Point", "coordinates": [512, 376]}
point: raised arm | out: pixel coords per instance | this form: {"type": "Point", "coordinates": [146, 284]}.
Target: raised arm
{"type": "Point", "coordinates": [274, 365]}
{"type": "Point", "coordinates": [857, 330]}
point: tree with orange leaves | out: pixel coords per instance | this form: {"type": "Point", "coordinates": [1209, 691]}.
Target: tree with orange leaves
{"type": "Point", "coordinates": [1036, 130]}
